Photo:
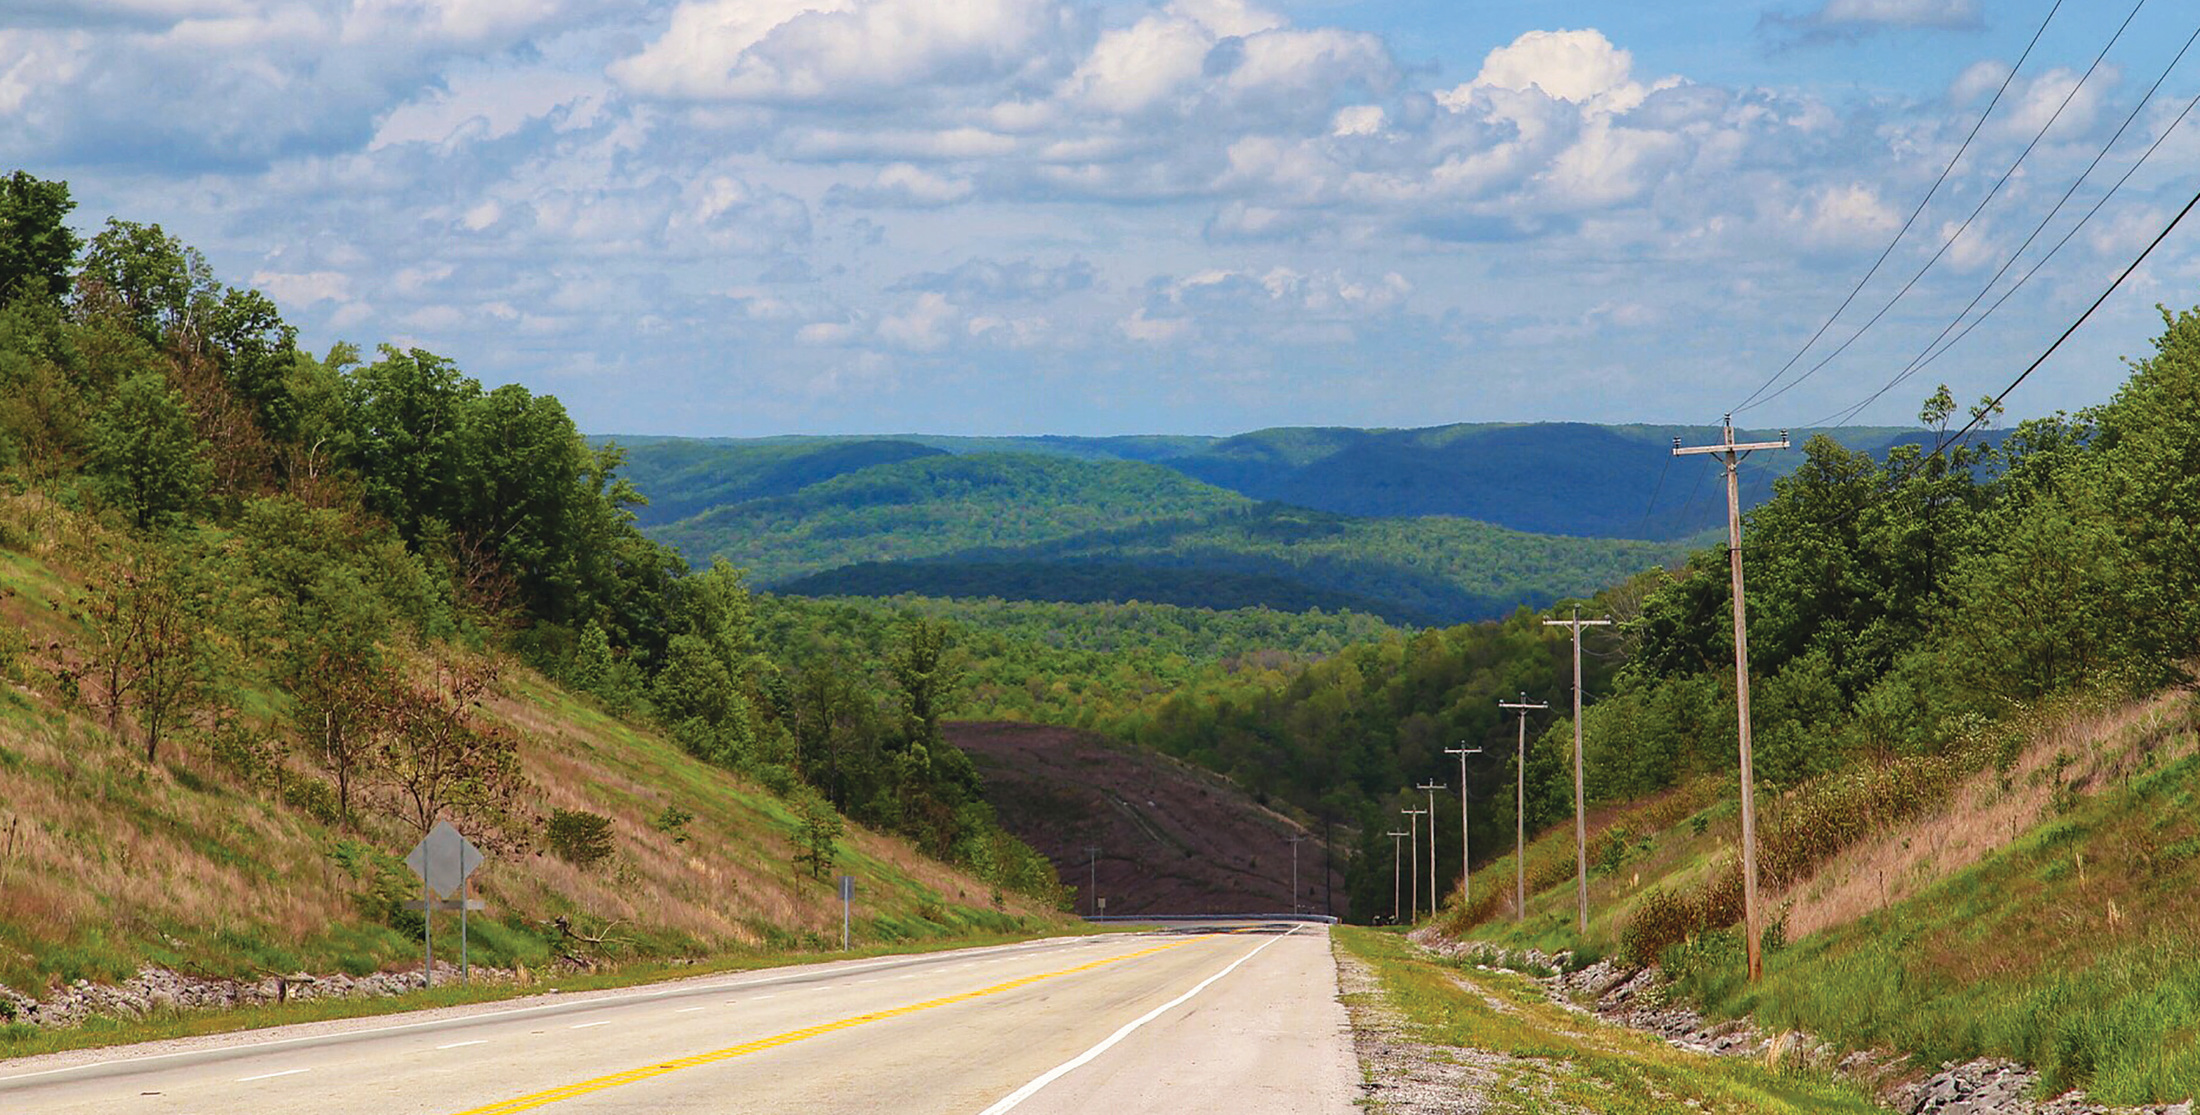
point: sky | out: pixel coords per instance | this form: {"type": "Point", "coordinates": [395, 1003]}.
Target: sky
{"type": "Point", "coordinates": [750, 217]}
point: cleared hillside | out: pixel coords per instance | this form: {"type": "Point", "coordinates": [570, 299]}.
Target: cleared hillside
{"type": "Point", "coordinates": [1172, 839]}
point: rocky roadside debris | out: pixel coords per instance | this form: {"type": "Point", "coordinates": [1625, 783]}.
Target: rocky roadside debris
{"type": "Point", "coordinates": [1401, 1075]}
{"type": "Point", "coordinates": [1635, 998]}
{"type": "Point", "coordinates": [158, 989]}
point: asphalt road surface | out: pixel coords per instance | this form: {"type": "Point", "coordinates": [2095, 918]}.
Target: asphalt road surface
{"type": "Point", "coordinates": [1226, 1018]}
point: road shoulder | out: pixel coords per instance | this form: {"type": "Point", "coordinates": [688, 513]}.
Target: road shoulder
{"type": "Point", "coordinates": [1438, 1036]}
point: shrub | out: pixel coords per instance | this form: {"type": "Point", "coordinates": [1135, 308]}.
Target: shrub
{"type": "Point", "coordinates": [579, 837]}
{"type": "Point", "coordinates": [314, 798]}
{"type": "Point", "coordinates": [673, 823]}
{"type": "Point", "coordinates": [816, 841]}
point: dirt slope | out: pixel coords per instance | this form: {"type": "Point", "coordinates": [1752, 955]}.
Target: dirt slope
{"type": "Point", "coordinates": [1172, 838]}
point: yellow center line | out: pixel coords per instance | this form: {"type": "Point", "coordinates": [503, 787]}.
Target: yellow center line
{"type": "Point", "coordinates": [547, 1097]}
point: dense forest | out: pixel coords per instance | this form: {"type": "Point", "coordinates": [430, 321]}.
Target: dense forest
{"type": "Point", "coordinates": [887, 521]}
{"type": "Point", "coordinates": [371, 534]}
{"type": "Point", "coordinates": [1566, 478]}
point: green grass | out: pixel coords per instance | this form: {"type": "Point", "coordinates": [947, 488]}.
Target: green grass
{"type": "Point", "coordinates": [2075, 950]}
{"type": "Point", "coordinates": [24, 1040]}
{"type": "Point", "coordinates": [1559, 1055]}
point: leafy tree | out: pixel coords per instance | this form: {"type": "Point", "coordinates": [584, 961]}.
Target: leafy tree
{"type": "Point", "coordinates": [148, 279]}
{"type": "Point", "coordinates": [817, 842]}
{"type": "Point", "coordinates": [146, 642]}
{"type": "Point", "coordinates": [440, 753]}
{"type": "Point", "coordinates": [37, 247]}
{"type": "Point", "coordinates": [145, 455]}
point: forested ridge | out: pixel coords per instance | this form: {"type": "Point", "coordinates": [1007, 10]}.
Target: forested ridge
{"type": "Point", "coordinates": [319, 573]}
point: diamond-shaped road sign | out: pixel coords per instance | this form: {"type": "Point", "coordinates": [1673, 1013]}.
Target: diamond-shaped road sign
{"type": "Point", "coordinates": [443, 859]}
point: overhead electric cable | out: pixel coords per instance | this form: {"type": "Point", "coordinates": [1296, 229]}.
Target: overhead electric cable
{"type": "Point", "coordinates": [1996, 401]}
{"type": "Point", "coordinates": [1849, 414]}
{"type": "Point", "coordinates": [1965, 226]}
{"type": "Point", "coordinates": [1914, 213]}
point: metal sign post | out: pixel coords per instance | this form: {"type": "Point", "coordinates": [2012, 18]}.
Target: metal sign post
{"type": "Point", "coordinates": [847, 898]}
{"type": "Point", "coordinates": [444, 860]}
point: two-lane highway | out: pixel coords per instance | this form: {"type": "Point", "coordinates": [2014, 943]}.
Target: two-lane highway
{"type": "Point", "coordinates": [1223, 1017]}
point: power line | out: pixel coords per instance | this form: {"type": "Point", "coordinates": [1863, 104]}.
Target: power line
{"type": "Point", "coordinates": [2034, 366]}
{"type": "Point", "coordinates": [1950, 242]}
{"type": "Point", "coordinates": [1930, 353]}
{"type": "Point", "coordinates": [1914, 213]}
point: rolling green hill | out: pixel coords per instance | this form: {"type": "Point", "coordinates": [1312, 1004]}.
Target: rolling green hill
{"type": "Point", "coordinates": [1551, 478]}
{"type": "Point", "coordinates": [935, 506]}
{"type": "Point", "coordinates": [1031, 527]}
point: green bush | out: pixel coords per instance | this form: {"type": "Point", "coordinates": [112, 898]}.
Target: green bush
{"type": "Point", "coordinates": [579, 837]}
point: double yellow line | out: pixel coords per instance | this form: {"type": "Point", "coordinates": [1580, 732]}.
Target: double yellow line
{"type": "Point", "coordinates": [547, 1097]}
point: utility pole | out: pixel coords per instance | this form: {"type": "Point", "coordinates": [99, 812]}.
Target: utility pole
{"type": "Point", "coordinates": [1581, 816]}
{"type": "Point", "coordinates": [1295, 874]}
{"type": "Point", "coordinates": [1520, 809]}
{"type": "Point", "coordinates": [1397, 878]}
{"type": "Point", "coordinates": [1465, 860]}
{"type": "Point", "coordinates": [1732, 453]}
{"type": "Point", "coordinates": [1413, 835]}
{"type": "Point", "coordinates": [1092, 880]}
{"type": "Point", "coordinates": [1435, 890]}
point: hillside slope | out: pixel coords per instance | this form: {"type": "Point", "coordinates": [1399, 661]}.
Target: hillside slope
{"type": "Point", "coordinates": [2037, 909]}
{"type": "Point", "coordinates": [226, 859]}
{"type": "Point", "coordinates": [1171, 839]}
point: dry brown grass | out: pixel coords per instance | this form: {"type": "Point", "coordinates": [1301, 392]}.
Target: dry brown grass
{"type": "Point", "coordinates": [98, 846]}
{"type": "Point", "coordinates": [1988, 810]}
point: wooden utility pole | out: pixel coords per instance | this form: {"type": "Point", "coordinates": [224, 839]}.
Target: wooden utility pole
{"type": "Point", "coordinates": [1581, 815]}
{"type": "Point", "coordinates": [1520, 809]}
{"type": "Point", "coordinates": [1397, 874]}
{"type": "Point", "coordinates": [1092, 880]}
{"type": "Point", "coordinates": [1295, 874]}
{"type": "Point", "coordinates": [1435, 890]}
{"type": "Point", "coordinates": [1466, 869]}
{"type": "Point", "coordinates": [1413, 836]}
{"type": "Point", "coordinates": [1732, 453]}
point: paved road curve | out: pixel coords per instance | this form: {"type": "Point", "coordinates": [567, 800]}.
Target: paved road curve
{"type": "Point", "coordinates": [1209, 1018]}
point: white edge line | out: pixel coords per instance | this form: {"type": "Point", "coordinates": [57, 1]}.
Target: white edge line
{"type": "Point", "coordinates": [586, 1025]}
{"type": "Point", "coordinates": [270, 1075]}
{"type": "Point", "coordinates": [458, 1044]}
{"type": "Point", "coordinates": [689, 1010]}
{"type": "Point", "coordinates": [574, 1005]}
{"type": "Point", "coordinates": [1018, 1096]}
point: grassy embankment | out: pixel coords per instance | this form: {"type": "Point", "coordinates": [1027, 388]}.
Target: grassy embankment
{"type": "Point", "coordinates": [212, 863]}
{"type": "Point", "coordinates": [1541, 1057]}
{"type": "Point", "coordinates": [2043, 911]}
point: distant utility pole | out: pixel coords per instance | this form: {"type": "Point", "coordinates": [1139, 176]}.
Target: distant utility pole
{"type": "Point", "coordinates": [1581, 816]}
{"type": "Point", "coordinates": [1413, 836]}
{"type": "Point", "coordinates": [1465, 860]}
{"type": "Point", "coordinates": [1397, 866]}
{"type": "Point", "coordinates": [1733, 452]}
{"type": "Point", "coordinates": [1092, 880]}
{"type": "Point", "coordinates": [1295, 873]}
{"type": "Point", "coordinates": [1520, 808]}
{"type": "Point", "coordinates": [1435, 890]}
